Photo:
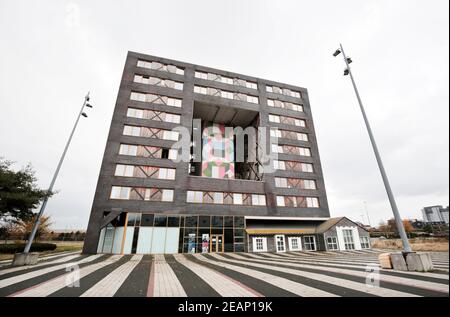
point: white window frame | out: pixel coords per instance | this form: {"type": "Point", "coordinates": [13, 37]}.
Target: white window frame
{"type": "Point", "coordinates": [237, 199]}
{"type": "Point", "coordinates": [308, 243]}
{"type": "Point", "coordinates": [364, 240]}
{"type": "Point", "coordinates": [312, 202]}
{"type": "Point", "coordinates": [299, 241]}
{"type": "Point", "coordinates": [349, 240]}
{"type": "Point", "coordinates": [336, 242]}
{"type": "Point", "coordinates": [307, 168]}
{"type": "Point", "coordinates": [128, 149]}
{"type": "Point", "coordinates": [276, 242]}
{"type": "Point", "coordinates": [263, 242]}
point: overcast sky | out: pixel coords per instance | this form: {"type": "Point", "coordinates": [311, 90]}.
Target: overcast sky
{"type": "Point", "coordinates": [53, 52]}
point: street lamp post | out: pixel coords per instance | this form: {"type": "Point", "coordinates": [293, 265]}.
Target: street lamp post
{"type": "Point", "coordinates": [50, 188]}
{"type": "Point", "coordinates": [398, 219]}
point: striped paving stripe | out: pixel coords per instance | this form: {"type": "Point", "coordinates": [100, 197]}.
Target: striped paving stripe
{"type": "Point", "coordinates": [439, 278]}
{"type": "Point", "coordinates": [225, 286]}
{"type": "Point", "coordinates": [54, 285]}
{"type": "Point", "coordinates": [323, 285]}
{"type": "Point", "coordinates": [23, 277]}
{"type": "Point", "coordinates": [4, 263]}
{"type": "Point", "coordinates": [136, 284]}
{"type": "Point", "coordinates": [193, 285]}
{"type": "Point", "coordinates": [358, 286]}
{"type": "Point", "coordinates": [109, 285]}
{"type": "Point", "coordinates": [164, 282]}
{"type": "Point", "coordinates": [263, 287]}
{"type": "Point", "coordinates": [431, 286]}
{"type": "Point", "coordinates": [291, 286]}
{"type": "Point", "coordinates": [27, 267]}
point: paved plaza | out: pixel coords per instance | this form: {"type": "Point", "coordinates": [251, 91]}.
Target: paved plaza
{"type": "Point", "coordinates": [306, 274]}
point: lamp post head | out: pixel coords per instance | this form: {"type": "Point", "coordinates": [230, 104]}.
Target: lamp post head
{"type": "Point", "coordinates": [338, 51]}
{"type": "Point", "coordinates": [346, 72]}
{"type": "Point", "coordinates": [88, 105]}
{"type": "Point", "coordinates": [84, 114]}
{"type": "Point", "coordinates": [349, 60]}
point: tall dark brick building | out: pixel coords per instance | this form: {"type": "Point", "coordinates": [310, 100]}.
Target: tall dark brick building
{"type": "Point", "coordinates": [147, 201]}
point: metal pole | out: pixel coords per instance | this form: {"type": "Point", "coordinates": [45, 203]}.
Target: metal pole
{"type": "Point", "coordinates": [50, 188]}
{"type": "Point", "coordinates": [397, 217]}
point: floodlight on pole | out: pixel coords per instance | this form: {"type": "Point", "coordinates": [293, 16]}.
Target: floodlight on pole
{"type": "Point", "coordinates": [55, 175]}
{"type": "Point", "coordinates": [397, 217]}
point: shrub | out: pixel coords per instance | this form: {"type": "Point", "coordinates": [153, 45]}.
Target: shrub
{"type": "Point", "coordinates": [18, 247]}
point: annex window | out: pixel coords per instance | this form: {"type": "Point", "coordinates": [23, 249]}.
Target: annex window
{"type": "Point", "coordinates": [348, 239]}
{"type": "Point", "coordinates": [332, 243]}
{"type": "Point", "coordinates": [259, 244]}
{"type": "Point", "coordinates": [309, 242]}
{"type": "Point", "coordinates": [365, 242]}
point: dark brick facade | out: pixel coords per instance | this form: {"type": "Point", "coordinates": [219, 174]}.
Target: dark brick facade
{"type": "Point", "coordinates": [102, 203]}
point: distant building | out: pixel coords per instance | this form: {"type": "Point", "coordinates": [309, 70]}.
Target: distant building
{"type": "Point", "coordinates": [435, 214]}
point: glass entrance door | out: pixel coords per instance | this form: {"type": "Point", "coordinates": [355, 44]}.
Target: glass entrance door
{"type": "Point", "coordinates": [216, 243]}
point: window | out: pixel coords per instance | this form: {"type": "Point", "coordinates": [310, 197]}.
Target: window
{"type": "Point", "coordinates": [309, 242]}
{"type": "Point", "coordinates": [124, 170]}
{"type": "Point", "coordinates": [170, 135]}
{"type": "Point", "coordinates": [294, 243]}
{"type": "Point", "coordinates": [218, 198]}
{"type": "Point", "coordinates": [299, 123]}
{"type": "Point", "coordinates": [160, 221]}
{"type": "Point", "coordinates": [280, 243]}
{"type": "Point", "coordinates": [306, 167]}
{"type": "Point", "coordinates": [304, 151]}
{"type": "Point", "coordinates": [201, 75]}
{"type": "Point", "coordinates": [161, 67]}
{"type": "Point", "coordinates": [365, 242]}
{"type": "Point", "coordinates": [126, 149]}
{"type": "Point", "coordinates": [147, 80]}
{"type": "Point", "coordinates": [302, 137]}
{"type": "Point", "coordinates": [252, 99]}
{"type": "Point", "coordinates": [167, 195]}
{"type": "Point", "coordinates": [274, 118]}
{"type": "Point", "coordinates": [332, 243]}
{"type": "Point", "coordinates": [172, 118]}
{"type": "Point", "coordinates": [277, 148]}
{"type": "Point", "coordinates": [194, 197]}
{"type": "Point", "coordinates": [348, 239]}
{"type": "Point", "coordinates": [312, 202]}
{"type": "Point", "coordinates": [157, 99]}
{"type": "Point", "coordinates": [131, 130]}
{"type": "Point", "coordinates": [226, 80]}
{"type": "Point", "coordinates": [118, 192]}
{"type": "Point", "coordinates": [269, 89]}
{"type": "Point", "coordinates": [259, 244]}
{"type": "Point", "coordinates": [258, 200]}
{"type": "Point", "coordinates": [279, 165]}
{"type": "Point", "coordinates": [280, 201]}
{"type": "Point", "coordinates": [226, 94]}
{"type": "Point", "coordinates": [200, 90]}
{"type": "Point", "coordinates": [237, 199]}
{"type": "Point", "coordinates": [251, 85]}
{"type": "Point", "coordinates": [275, 133]}
{"type": "Point", "coordinates": [135, 113]}
{"type": "Point", "coordinates": [309, 184]}
{"type": "Point", "coordinates": [166, 173]}
{"type": "Point", "coordinates": [174, 102]}
{"type": "Point", "coordinates": [281, 182]}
